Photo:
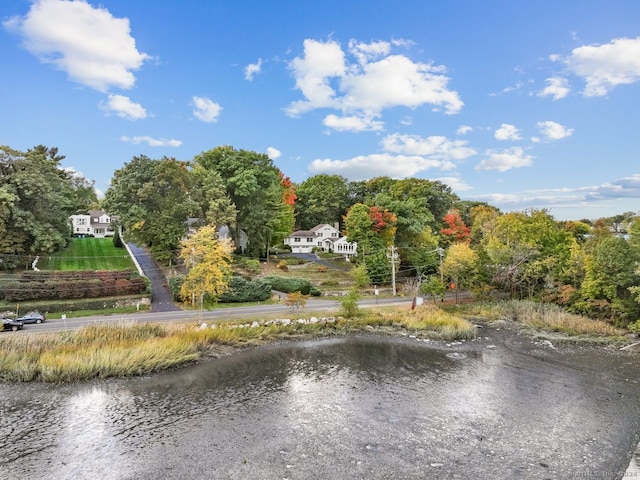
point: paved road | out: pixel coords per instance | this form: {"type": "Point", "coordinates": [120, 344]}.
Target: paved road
{"type": "Point", "coordinates": [316, 306]}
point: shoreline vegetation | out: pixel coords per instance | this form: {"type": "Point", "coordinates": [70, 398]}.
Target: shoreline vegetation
{"type": "Point", "coordinates": [125, 350]}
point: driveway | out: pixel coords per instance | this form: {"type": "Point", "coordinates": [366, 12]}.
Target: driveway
{"type": "Point", "coordinates": [161, 300]}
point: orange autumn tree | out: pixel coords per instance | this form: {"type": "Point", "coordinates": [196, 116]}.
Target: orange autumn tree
{"type": "Point", "coordinates": [288, 192]}
{"type": "Point", "coordinates": [283, 218]}
{"type": "Point", "coordinates": [456, 231]}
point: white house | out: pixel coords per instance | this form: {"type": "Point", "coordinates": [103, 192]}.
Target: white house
{"type": "Point", "coordinates": [96, 223]}
{"type": "Point", "coordinates": [323, 236]}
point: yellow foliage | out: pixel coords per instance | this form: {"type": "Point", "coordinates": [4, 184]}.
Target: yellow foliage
{"type": "Point", "coordinates": [209, 262]}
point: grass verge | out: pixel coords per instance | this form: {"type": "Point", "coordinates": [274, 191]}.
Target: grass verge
{"type": "Point", "coordinates": [120, 350]}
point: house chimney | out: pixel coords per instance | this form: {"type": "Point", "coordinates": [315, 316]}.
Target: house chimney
{"type": "Point", "coordinates": [337, 226]}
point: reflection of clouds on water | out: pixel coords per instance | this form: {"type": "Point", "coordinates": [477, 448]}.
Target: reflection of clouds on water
{"type": "Point", "coordinates": [87, 436]}
{"type": "Point", "coordinates": [342, 408]}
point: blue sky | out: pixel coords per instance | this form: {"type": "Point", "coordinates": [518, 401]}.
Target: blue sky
{"type": "Point", "coordinates": [518, 103]}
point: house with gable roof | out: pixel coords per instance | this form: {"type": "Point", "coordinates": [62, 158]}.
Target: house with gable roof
{"type": "Point", "coordinates": [96, 223]}
{"type": "Point", "coordinates": [323, 236]}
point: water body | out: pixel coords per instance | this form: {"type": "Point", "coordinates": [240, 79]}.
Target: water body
{"type": "Point", "coordinates": [502, 407]}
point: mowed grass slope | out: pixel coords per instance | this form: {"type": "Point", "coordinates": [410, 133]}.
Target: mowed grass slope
{"type": "Point", "coordinates": [88, 254]}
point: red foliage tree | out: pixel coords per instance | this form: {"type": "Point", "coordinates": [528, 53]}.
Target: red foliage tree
{"type": "Point", "coordinates": [288, 194]}
{"type": "Point", "coordinates": [456, 230]}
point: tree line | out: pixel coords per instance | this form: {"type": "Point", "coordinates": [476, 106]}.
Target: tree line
{"type": "Point", "coordinates": [418, 228]}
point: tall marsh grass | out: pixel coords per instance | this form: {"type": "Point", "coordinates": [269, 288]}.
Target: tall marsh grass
{"type": "Point", "coordinates": [119, 350]}
{"type": "Point", "coordinates": [547, 317]}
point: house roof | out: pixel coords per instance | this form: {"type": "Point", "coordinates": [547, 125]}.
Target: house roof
{"type": "Point", "coordinates": [318, 227]}
{"type": "Point", "coordinates": [303, 233]}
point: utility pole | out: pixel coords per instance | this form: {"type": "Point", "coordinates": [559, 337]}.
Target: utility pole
{"type": "Point", "coordinates": [393, 256]}
{"type": "Point", "coordinates": [440, 251]}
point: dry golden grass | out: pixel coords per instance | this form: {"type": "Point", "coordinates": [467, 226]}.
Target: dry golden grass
{"type": "Point", "coordinates": [118, 350]}
{"type": "Point", "coordinates": [546, 317]}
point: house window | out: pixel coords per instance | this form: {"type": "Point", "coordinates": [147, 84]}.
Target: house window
{"type": "Point", "coordinates": [309, 240]}
{"type": "Point", "coordinates": [334, 234]}
{"type": "Point", "coordinates": [81, 221]}
{"type": "Point", "coordinates": [296, 239]}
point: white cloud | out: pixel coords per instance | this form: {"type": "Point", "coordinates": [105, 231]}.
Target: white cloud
{"type": "Point", "coordinates": [321, 62]}
{"type": "Point", "coordinates": [583, 197]}
{"type": "Point", "coordinates": [93, 47]}
{"type": "Point", "coordinates": [604, 67]}
{"type": "Point", "coordinates": [206, 109]}
{"type": "Point", "coordinates": [626, 187]}
{"type": "Point", "coordinates": [124, 107]}
{"type": "Point", "coordinates": [152, 142]}
{"type": "Point", "coordinates": [436, 147]}
{"type": "Point", "coordinates": [252, 69]}
{"type": "Point", "coordinates": [557, 88]}
{"type": "Point", "coordinates": [507, 132]}
{"type": "Point", "coordinates": [512, 88]}
{"type": "Point", "coordinates": [505, 160]}
{"type": "Point", "coordinates": [365, 52]}
{"type": "Point", "coordinates": [273, 153]}
{"type": "Point", "coordinates": [553, 130]}
{"type": "Point", "coordinates": [464, 129]}
{"type": "Point", "coordinates": [456, 183]}
{"type": "Point", "coordinates": [352, 123]}
{"type": "Point", "coordinates": [374, 81]}
{"type": "Point", "coordinates": [369, 166]}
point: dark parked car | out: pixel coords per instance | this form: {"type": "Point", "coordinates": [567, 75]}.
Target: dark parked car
{"type": "Point", "coordinates": [8, 324]}
{"type": "Point", "coordinates": [32, 317]}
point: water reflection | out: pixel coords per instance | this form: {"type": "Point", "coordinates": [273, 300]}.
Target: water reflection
{"type": "Point", "coordinates": [342, 408]}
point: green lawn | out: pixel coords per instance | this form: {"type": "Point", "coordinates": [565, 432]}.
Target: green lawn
{"type": "Point", "coordinates": [88, 254]}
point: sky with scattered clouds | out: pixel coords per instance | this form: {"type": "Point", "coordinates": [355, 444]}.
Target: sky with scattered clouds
{"type": "Point", "coordinates": [520, 104]}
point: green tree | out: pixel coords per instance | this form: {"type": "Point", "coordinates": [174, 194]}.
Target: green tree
{"type": "Point", "coordinates": [434, 286]}
{"type": "Point", "coordinates": [528, 251]}
{"type": "Point", "coordinates": [461, 266]}
{"type": "Point", "coordinates": [208, 261]}
{"type": "Point", "coordinates": [123, 195]}
{"type": "Point", "coordinates": [153, 198]}
{"type": "Point", "coordinates": [349, 303]}
{"type": "Point", "coordinates": [252, 183]}
{"type": "Point", "coordinates": [35, 203]}
{"type": "Point", "coordinates": [210, 194]}
{"type": "Point", "coordinates": [321, 199]}
{"type": "Point", "coordinates": [611, 275]}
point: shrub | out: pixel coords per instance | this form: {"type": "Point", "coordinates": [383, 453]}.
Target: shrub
{"type": "Point", "coordinates": [241, 290]}
{"type": "Point", "coordinates": [175, 284]}
{"type": "Point", "coordinates": [250, 264]}
{"type": "Point", "coordinates": [289, 285]}
{"type": "Point", "coordinates": [117, 241]}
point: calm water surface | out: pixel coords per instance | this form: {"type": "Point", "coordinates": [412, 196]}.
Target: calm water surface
{"type": "Point", "coordinates": [361, 407]}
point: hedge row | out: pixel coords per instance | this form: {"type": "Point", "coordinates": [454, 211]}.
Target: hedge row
{"type": "Point", "coordinates": [72, 285]}
{"type": "Point", "coordinates": [80, 304]}
{"type": "Point", "coordinates": [290, 285]}
{"type": "Point", "coordinates": [62, 275]}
